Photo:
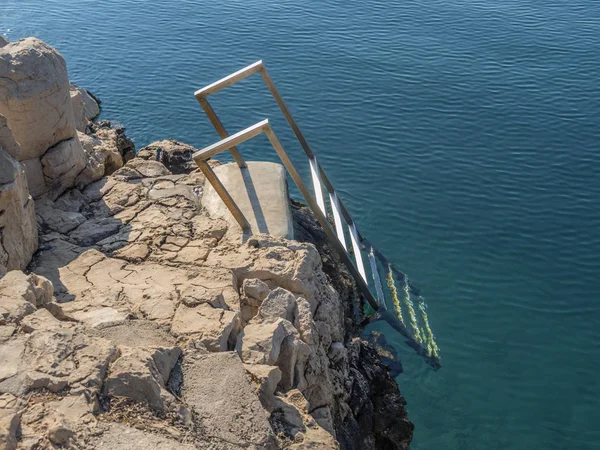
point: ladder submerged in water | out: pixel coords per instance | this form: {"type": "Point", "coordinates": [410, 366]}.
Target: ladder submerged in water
{"type": "Point", "coordinates": [412, 323]}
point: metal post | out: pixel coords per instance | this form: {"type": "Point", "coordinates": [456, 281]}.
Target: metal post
{"type": "Point", "coordinates": [214, 119]}
{"type": "Point", "coordinates": [220, 189]}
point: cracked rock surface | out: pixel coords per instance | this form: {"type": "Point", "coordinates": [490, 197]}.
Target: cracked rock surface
{"type": "Point", "coordinates": [151, 319]}
{"type": "Point", "coordinates": [142, 323]}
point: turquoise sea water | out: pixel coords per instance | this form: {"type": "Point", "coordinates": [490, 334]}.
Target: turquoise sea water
{"type": "Point", "coordinates": [464, 137]}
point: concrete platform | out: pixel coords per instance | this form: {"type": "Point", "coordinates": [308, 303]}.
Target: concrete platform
{"type": "Point", "coordinates": [261, 193]}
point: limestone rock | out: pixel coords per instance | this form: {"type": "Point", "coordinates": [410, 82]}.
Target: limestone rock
{"type": "Point", "coordinates": [54, 360]}
{"type": "Point", "coordinates": [260, 343]}
{"type": "Point", "coordinates": [94, 230]}
{"type": "Point", "coordinates": [213, 325]}
{"type": "Point", "coordinates": [255, 288]}
{"type": "Point", "coordinates": [91, 104]}
{"type": "Point", "coordinates": [21, 294]}
{"type": "Point", "coordinates": [112, 134]}
{"type": "Point", "coordinates": [100, 318]}
{"type": "Point", "coordinates": [56, 219]}
{"type": "Point", "coordinates": [85, 107]}
{"type": "Point", "coordinates": [275, 343]}
{"type": "Point", "coordinates": [266, 378]}
{"type": "Point", "coordinates": [176, 156]}
{"type": "Point", "coordinates": [62, 164]}
{"type": "Point", "coordinates": [122, 437]}
{"type": "Point", "coordinates": [18, 230]}
{"type": "Point", "coordinates": [217, 389]}
{"type": "Point", "coordinates": [95, 160]}
{"type": "Point", "coordinates": [7, 140]}
{"type": "Point", "coordinates": [105, 145]}
{"type": "Point", "coordinates": [41, 319]}
{"type": "Point", "coordinates": [141, 375]}
{"type": "Point", "coordinates": [57, 423]}
{"type": "Point", "coordinates": [35, 177]}
{"type": "Point", "coordinates": [290, 419]}
{"type": "Point", "coordinates": [81, 121]}
{"type": "Point", "coordinates": [139, 168]}
{"type": "Point", "coordinates": [9, 422]}
{"type": "Point", "coordinates": [279, 303]}
{"type": "Point", "coordinates": [34, 96]}
{"type": "Point", "coordinates": [6, 331]}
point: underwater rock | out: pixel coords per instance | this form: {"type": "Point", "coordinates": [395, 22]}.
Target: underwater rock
{"type": "Point", "coordinates": [387, 352]}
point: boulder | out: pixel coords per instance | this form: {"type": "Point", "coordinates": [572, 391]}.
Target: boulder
{"type": "Point", "coordinates": [81, 121]}
{"type": "Point", "coordinates": [260, 343]}
{"type": "Point", "coordinates": [85, 107]}
{"type": "Point", "coordinates": [42, 319]}
{"type": "Point", "coordinates": [9, 419]}
{"type": "Point", "coordinates": [95, 160]}
{"type": "Point", "coordinates": [292, 422]}
{"type": "Point", "coordinates": [34, 96]}
{"type": "Point", "coordinates": [21, 294]}
{"type": "Point", "coordinates": [275, 343]}
{"type": "Point", "coordinates": [113, 135]}
{"type": "Point", "coordinates": [102, 150]}
{"type": "Point", "coordinates": [141, 375]}
{"type": "Point", "coordinates": [255, 288]}
{"type": "Point", "coordinates": [213, 326]}
{"type": "Point", "coordinates": [18, 230]}
{"type": "Point", "coordinates": [3, 41]}
{"type": "Point", "coordinates": [39, 290]}
{"type": "Point", "coordinates": [62, 164]}
{"type": "Point", "coordinates": [279, 303]}
{"type": "Point", "coordinates": [7, 140]}
{"type": "Point", "coordinates": [176, 156]}
{"type": "Point", "coordinates": [35, 177]}
{"type": "Point", "coordinates": [266, 379]}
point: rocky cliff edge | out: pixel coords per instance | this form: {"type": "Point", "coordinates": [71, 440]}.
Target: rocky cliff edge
{"type": "Point", "coordinates": [140, 322]}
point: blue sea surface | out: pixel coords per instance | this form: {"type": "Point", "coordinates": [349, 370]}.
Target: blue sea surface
{"type": "Point", "coordinates": [464, 136]}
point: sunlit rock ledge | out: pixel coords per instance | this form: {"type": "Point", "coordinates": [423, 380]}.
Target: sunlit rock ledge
{"type": "Point", "coordinates": [129, 318]}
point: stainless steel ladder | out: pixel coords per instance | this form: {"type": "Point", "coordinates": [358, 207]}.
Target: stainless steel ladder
{"type": "Point", "coordinates": [342, 220]}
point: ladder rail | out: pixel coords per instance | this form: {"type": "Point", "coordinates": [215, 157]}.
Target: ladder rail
{"type": "Point", "coordinates": [264, 126]}
{"type": "Point", "coordinates": [317, 172]}
{"type": "Point", "coordinates": [316, 203]}
{"type": "Point", "coordinates": [335, 207]}
{"type": "Point", "coordinates": [316, 179]}
{"type": "Point", "coordinates": [259, 67]}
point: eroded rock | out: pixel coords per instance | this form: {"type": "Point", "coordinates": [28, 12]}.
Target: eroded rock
{"type": "Point", "coordinates": [18, 230]}
{"type": "Point", "coordinates": [213, 326]}
{"type": "Point", "coordinates": [34, 96]}
{"type": "Point", "coordinates": [85, 107]}
{"type": "Point", "coordinates": [54, 360]}
{"type": "Point", "coordinates": [21, 295]}
{"type": "Point", "coordinates": [176, 156]}
{"type": "Point", "coordinates": [141, 374]}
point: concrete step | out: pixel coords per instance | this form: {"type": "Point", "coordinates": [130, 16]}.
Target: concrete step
{"type": "Point", "coordinates": [260, 191]}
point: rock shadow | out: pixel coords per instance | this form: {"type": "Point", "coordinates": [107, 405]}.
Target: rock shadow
{"type": "Point", "coordinates": [79, 220]}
